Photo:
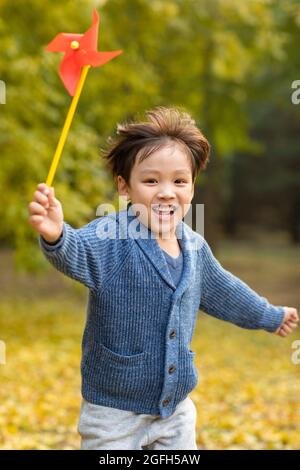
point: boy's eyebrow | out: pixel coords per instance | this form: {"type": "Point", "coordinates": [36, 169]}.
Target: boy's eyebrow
{"type": "Point", "coordinates": [150, 170]}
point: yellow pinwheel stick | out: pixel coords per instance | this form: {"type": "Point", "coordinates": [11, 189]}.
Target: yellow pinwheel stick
{"type": "Point", "coordinates": [67, 124]}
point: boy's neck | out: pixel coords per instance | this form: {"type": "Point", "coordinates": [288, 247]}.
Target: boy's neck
{"type": "Point", "coordinates": [171, 245]}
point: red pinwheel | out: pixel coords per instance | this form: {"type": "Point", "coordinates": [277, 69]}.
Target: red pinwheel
{"type": "Point", "coordinates": [80, 54]}
{"type": "Point", "coordinates": [80, 50]}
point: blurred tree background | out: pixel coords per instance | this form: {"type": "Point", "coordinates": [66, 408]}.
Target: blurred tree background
{"type": "Point", "coordinates": [231, 64]}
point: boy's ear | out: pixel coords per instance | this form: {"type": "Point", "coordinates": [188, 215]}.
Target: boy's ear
{"type": "Point", "coordinates": [122, 187]}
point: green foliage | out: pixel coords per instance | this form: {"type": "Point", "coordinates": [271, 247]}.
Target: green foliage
{"type": "Point", "coordinates": [211, 57]}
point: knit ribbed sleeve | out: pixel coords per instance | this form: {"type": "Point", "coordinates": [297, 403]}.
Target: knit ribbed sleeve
{"type": "Point", "coordinates": [79, 254]}
{"type": "Point", "coordinates": [228, 298]}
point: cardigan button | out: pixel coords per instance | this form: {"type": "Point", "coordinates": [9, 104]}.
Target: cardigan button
{"type": "Point", "coordinates": [173, 334]}
{"type": "Point", "coordinates": [166, 402]}
{"type": "Point", "coordinates": [172, 369]}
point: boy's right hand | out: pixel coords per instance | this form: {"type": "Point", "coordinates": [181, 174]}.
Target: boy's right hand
{"type": "Point", "coordinates": [45, 213]}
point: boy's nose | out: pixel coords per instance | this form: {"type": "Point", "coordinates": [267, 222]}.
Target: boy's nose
{"type": "Point", "coordinates": [166, 193]}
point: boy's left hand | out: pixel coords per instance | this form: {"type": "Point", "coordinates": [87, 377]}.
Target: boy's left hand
{"type": "Point", "coordinates": [290, 322]}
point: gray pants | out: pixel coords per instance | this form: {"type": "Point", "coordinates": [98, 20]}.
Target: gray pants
{"type": "Point", "coordinates": [105, 428]}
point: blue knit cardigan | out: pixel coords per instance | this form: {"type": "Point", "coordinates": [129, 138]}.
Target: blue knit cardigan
{"type": "Point", "coordinates": [136, 343]}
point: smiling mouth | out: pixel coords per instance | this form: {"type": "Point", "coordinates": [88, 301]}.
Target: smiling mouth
{"type": "Point", "coordinates": [164, 214]}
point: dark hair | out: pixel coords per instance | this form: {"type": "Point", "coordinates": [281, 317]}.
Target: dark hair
{"type": "Point", "coordinates": [163, 127]}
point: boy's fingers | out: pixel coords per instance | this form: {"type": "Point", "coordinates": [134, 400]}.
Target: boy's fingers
{"type": "Point", "coordinates": [286, 328]}
{"type": "Point", "coordinates": [36, 208]}
{"type": "Point", "coordinates": [41, 198]}
{"type": "Point", "coordinates": [35, 219]}
{"type": "Point", "coordinates": [295, 315]}
{"type": "Point", "coordinates": [282, 332]}
{"type": "Point", "coordinates": [52, 199]}
{"type": "Point", "coordinates": [292, 324]}
{"type": "Point", "coordinates": [43, 187]}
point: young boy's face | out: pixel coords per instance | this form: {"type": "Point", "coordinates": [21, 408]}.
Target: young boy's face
{"type": "Point", "coordinates": [162, 185]}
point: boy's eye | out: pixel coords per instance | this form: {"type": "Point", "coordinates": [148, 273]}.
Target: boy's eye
{"type": "Point", "coordinates": [153, 181]}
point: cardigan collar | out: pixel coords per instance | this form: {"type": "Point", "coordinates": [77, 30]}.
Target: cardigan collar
{"type": "Point", "coordinates": [130, 225]}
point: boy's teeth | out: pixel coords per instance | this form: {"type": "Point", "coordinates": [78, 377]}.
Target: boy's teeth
{"type": "Point", "coordinates": [163, 211]}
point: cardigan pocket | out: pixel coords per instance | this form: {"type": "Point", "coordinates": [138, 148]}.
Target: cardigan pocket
{"type": "Point", "coordinates": [112, 358]}
{"type": "Point", "coordinates": [189, 372]}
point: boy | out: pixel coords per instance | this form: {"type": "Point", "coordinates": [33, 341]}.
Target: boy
{"type": "Point", "coordinates": [148, 274]}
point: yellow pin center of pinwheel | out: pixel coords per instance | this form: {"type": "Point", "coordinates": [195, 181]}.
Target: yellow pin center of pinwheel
{"type": "Point", "coordinates": [74, 45]}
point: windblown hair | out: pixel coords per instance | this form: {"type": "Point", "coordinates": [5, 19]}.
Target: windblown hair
{"type": "Point", "coordinates": [164, 126]}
